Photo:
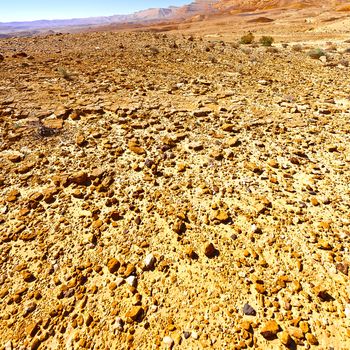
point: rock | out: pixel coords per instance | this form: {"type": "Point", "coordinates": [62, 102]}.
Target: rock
{"type": "Point", "coordinates": [210, 251]}
{"type": "Point", "coordinates": [132, 281]}
{"type": "Point", "coordinates": [222, 216]}
{"type": "Point", "coordinates": [32, 329]}
{"type": "Point", "coordinates": [53, 123]}
{"type": "Point", "coordinates": [168, 341]}
{"type": "Point", "coordinates": [311, 339]}
{"type": "Point", "coordinates": [228, 127]}
{"type": "Point", "coordinates": [196, 146]}
{"type": "Point", "coordinates": [119, 323]}
{"type": "Point", "coordinates": [296, 333]}
{"type": "Point", "coordinates": [113, 265]}
{"type": "Point", "coordinates": [8, 345]}
{"type": "Point", "coordinates": [187, 334]}
{"type": "Point", "coordinates": [201, 112]}
{"type": "Point", "coordinates": [35, 344]}
{"type": "Point", "coordinates": [80, 140]}
{"type": "Point", "coordinates": [79, 178]}
{"type": "Point", "coordinates": [285, 338]}
{"type": "Point", "coordinates": [179, 227]}
{"type": "Point", "coordinates": [136, 148]}
{"type": "Point", "coordinates": [190, 252]}
{"type": "Point", "coordinates": [248, 310]}
{"type": "Point", "coordinates": [233, 142]}
{"type": "Point", "coordinates": [343, 268]}
{"type": "Point", "coordinates": [136, 313]}
{"type": "Point", "coordinates": [149, 262]}
{"type": "Point", "coordinates": [269, 330]}
{"type": "Point", "coordinates": [28, 276]}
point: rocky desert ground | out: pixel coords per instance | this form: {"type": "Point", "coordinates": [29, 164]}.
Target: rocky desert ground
{"type": "Point", "coordinates": [174, 190]}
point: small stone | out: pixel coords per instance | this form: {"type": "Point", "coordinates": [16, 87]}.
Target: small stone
{"type": "Point", "coordinates": [53, 123]}
{"type": "Point", "coordinates": [209, 250]}
{"type": "Point", "coordinates": [343, 268]}
{"type": "Point", "coordinates": [194, 335]}
{"type": "Point", "coordinates": [179, 227]}
{"type": "Point", "coordinates": [285, 338]}
{"type": "Point", "coordinates": [260, 288]}
{"type": "Point", "coordinates": [304, 326]}
{"type": "Point", "coordinates": [113, 265]}
{"type": "Point", "coordinates": [311, 339]}
{"type": "Point", "coordinates": [190, 252]}
{"type": "Point", "coordinates": [97, 224]}
{"type": "Point", "coordinates": [228, 127]}
{"type": "Point", "coordinates": [248, 310]}
{"type": "Point", "coordinates": [149, 262]}
{"type": "Point", "coordinates": [132, 281]}
{"type": "Point", "coordinates": [136, 313]}
{"type": "Point", "coordinates": [323, 244]}
{"type": "Point", "coordinates": [197, 146]}
{"type": "Point", "coordinates": [222, 216]}
{"type": "Point", "coordinates": [8, 345]}
{"type": "Point", "coordinates": [35, 344]}
{"type": "Point", "coordinates": [136, 148]}
{"type": "Point", "coordinates": [80, 140]}
{"type": "Point", "coordinates": [233, 142]}
{"type": "Point", "coordinates": [79, 178]}
{"type": "Point", "coordinates": [32, 329]}
{"type": "Point", "coordinates": [272, 163]}
{"type": "Point", "coordinates": [270, 330]}
{"type": "Point", "coordinates": [168, 341]}
{"type": "Point", "coordinates": [187, 334]}
{"type": "Point", "coordinates": [14, 158]}
{"type": "Point", "coordinates": [28, 276]}
{"type": "Point", "coordinates": [296, 333]}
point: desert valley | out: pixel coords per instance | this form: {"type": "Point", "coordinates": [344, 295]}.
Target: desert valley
{"type": "Point", "coordinates": [177, 179]}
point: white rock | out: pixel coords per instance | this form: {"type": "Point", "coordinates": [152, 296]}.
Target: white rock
{"type": "Point", "coordinates": [8, 345]}
{"type": "Point", "coordinates": [149, 261]}
{"type": "Point", "coordinates": [347, 311]}
{"type": "Point", "coordinates": [168, 341]}
{"type": "Point", "coordinates": [132, 281]}
{"type": "Point", "coordinates": [119, 281]}
{"type": "Point", "coordinates": [194, 335]}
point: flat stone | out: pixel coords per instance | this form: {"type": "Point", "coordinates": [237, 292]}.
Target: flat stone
{"type": "Point", "coordinates": [135, 313]}
{"type": "Point", "coordinates": [248, 310]}
{"type": "Point", "coordinates": [269, 330]}
{"type": "Point", "coordinates": [113, 265]}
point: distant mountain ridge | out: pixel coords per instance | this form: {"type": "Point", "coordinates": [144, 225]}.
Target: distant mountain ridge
{"type": "Point", "coordinates": [184, 12]}
{"type": "Point", "coordinates": [151, 14]}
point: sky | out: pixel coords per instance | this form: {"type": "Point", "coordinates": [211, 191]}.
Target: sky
{"type": "Point", "coordinates": [29, 10]}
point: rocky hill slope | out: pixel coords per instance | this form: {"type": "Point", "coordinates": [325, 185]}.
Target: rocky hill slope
{"type": "Point", "coordinates": [165, 191]}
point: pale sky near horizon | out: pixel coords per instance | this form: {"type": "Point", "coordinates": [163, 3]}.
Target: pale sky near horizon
{"type": "Point", "coordinates": [29, 10]}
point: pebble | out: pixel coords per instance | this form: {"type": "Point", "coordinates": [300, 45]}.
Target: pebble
{"type": "Point", "coordinates": [209, 250]}
{"type": "Point", "coordinates": [270, 329]}
{"type": "Point", "coordinates": [149, 262]}
{"type": "Point", "coordinates": [248, 310]}
{"type": "Point", "coordinates": [113, 265]}
{"type": "Point", "coordinates": [135, 313]}
{"type": "Point", "coordinates": [311, 339]}
{"type": "Point", "coordinates": [285, 338]}
{"type": "Point", "coordinates": [169, 341]}
{"type": "Point", "coordinates": [132, 281]}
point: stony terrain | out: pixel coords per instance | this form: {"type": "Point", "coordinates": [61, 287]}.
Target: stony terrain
{"type": "Point", "coordinates": [167, 191]}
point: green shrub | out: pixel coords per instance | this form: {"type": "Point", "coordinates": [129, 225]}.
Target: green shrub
{"type": "Point", "coordinates": [247, 39]}
{"type": "Point", "coordinates": [266, 40]}
{"type": "Point", "coordinates": [316, 53]}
